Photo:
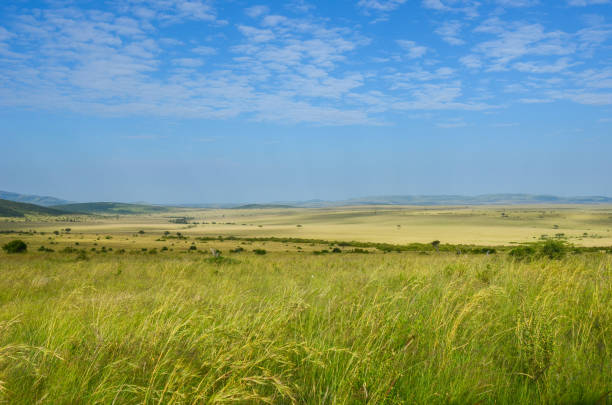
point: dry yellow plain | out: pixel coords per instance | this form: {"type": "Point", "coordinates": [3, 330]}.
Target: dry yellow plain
{"type": "Point", "coordinates": [492, 225]}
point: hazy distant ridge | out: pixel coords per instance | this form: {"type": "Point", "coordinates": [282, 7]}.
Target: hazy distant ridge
{"type": "Point", "coordinates": [45, 201]}
{"type": "Point", "coordinates": [16, 209]}
{"type": "Point", "coordinates": [479, 199]}
{"type": "Point", "coordinates": [114, 208]}
{"type": "Point", "coordinates": [484, 199]}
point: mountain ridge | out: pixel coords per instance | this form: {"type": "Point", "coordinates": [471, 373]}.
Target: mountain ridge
{"type": "Point", "coordinates": [391, 199]}
{"type": "Point", "coordinates": [14, 209]}
{"type": "Point", "coordinates": [44, 201]}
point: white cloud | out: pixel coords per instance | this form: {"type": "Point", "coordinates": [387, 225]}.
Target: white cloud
{"type": "Point", "coordinates": [518, 3]}
{"type": "Point", "coordinates": [449, 31]}
{"type": "Point", "coordinates": [582, 3]}
{"type": "Point", "coordinates": [171, 11]}
{"type": "Point", "coordinates": [256, 34]}
{"type": "Point", "coordinates": [204, 50]}
{"type": "Point", "coordinates": [471, 61]}
{"type": "Point", "coordinates": [380, 5]}
{"type": "Point", "coordinates": [536, 100]}
{"type": "Point", "coordinates": [467, 7]}
{"type": "Point", "coordinates": [125, 61]}
{"type": "Point", "coordinates": [414, 50]}
{"type": "Point", "coordinates": [188, 62]}
{"type": "Point", "coordinates": [455, 123]}
{"type": "Point", "coordinates": [256, 11]}
{"type": "Point", "coordinates": [532, 67]}
{"type": "Point", "coordinates": [300, 6]}
{"type": "Point", "coordinates": [582, 96]}
{"type": "Point", "coordinates": [516, 40]}
{"type": "Point", "coordinates": [4, 34]}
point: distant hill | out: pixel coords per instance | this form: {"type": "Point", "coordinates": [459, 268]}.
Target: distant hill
{"type": "Point", "coordinates": [111, 208]}
{"type": "Point", "coordinates": [424, 200]}
{"type": "Point", "coordinates": [485, 199]}
{"type": "Point", "coordinates": [45, 201]}
{"type": "Point", "coordinates": [20, 210]}
{"type": "Point", "coordinates": [261, 206]}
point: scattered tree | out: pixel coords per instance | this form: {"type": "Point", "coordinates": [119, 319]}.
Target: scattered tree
{"type": "Point", "coordinates": [15, 246]}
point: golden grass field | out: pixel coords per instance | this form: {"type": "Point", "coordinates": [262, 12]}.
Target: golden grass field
{"type": "Point", "coordinates": [581, 225]}
{"type": "Point", "coordinates": [123, 310]}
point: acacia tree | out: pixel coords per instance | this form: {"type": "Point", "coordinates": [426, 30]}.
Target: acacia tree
{"type": "Point", "coordinates": [436, 245]}
{"type": "Point", "coordinates": [15, 246]}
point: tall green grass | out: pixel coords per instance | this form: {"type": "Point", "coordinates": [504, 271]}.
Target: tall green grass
{"type": "Point", "coordinates": [287, 328]}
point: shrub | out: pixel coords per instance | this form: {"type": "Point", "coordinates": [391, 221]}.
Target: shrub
{"type": "Point", "coordinates": [522, 252]}
{"type": "Point", "coordinates": [436, 245]}
{"type": "Point", "coordinates": [15, 246]}
{"type": "Point", "coordinates": [553, 249]}
{"type": "Point", "coordinates": [259, 251]}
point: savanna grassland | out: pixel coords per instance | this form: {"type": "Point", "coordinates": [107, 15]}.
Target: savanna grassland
{"type": "Point", "coordinates": [136, 309]}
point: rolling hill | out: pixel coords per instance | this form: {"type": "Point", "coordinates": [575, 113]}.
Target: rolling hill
{"type": "Point", "coordinates": [20, 210]}
{"type": "Point", "coordinates": [111, 208]}
{"type": "Point", "coordinates": [261, 206]}
{"type": "Point", "coordinates": [484, 199]}
{"type": "Point", "coordinates": [45, 201]}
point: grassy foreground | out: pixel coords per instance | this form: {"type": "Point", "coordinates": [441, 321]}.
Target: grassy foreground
{"type": "Point", "coordinates": [289, 328]}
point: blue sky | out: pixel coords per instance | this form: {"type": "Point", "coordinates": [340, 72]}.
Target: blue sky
{"type": "Point", "coordinates": [175, 101]}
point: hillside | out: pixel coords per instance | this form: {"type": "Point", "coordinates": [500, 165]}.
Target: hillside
{"type": "Point", "coordinates": [45, 201]}
{"type": "Point", "coordinates": [261, 206]}
{"type": "Point", "coordinates": [19, 210]}
{"type": "Point", "coordinates": [110, 208]}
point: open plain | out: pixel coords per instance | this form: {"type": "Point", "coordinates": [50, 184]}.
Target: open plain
{"type": "Point", "coordinates": [343, 305]}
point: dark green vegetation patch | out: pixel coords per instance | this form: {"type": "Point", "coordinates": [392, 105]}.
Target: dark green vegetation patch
{"type": "Point", "coordinates": [111, 208]}
{"type": "Point", "coordinates": [15, 246]}
{"type": "Point", "coordinates": [20, 210]}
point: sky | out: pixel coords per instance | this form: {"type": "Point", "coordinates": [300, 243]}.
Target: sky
{"type": "Point", "coordinates": [197, 101]}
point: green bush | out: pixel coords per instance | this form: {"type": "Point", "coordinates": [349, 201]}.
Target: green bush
{"type": "Point", "coordinates": [522, 252]}
{"type": "Point", "coordinates": [259, 251]}
{"type": "Point", "coordinates": [81, 256]}
{"type": "Point", "coordinates": [553, 249]}
{"type": "Point", "coordinates": [15, 246]}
